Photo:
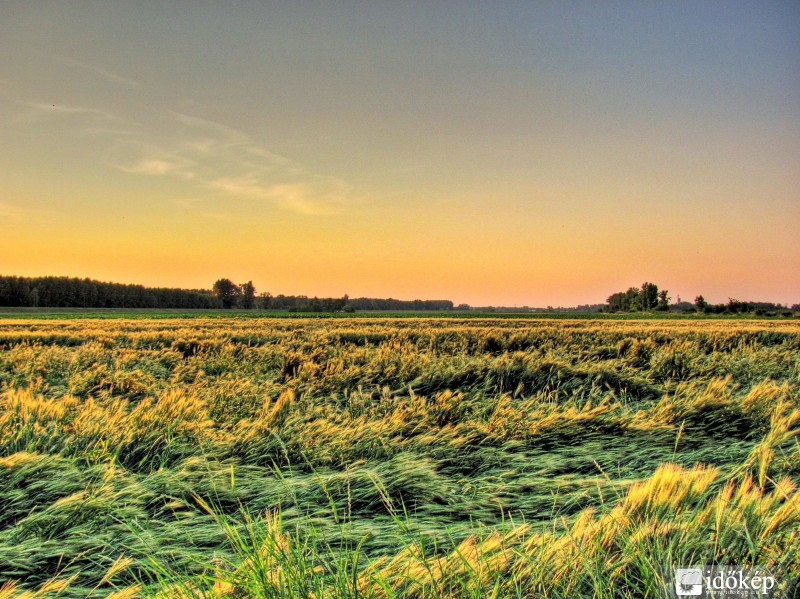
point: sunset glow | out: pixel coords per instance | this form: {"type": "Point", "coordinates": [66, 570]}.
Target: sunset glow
{"type": "Point", "coordinates": [527, 154]}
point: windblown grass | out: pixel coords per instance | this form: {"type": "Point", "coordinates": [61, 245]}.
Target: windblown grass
{"type": "Point", "coordinates": [383, 458]}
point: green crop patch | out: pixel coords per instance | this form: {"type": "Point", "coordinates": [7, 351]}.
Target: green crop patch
{"type": "Point", "coordinates": [393, 456]}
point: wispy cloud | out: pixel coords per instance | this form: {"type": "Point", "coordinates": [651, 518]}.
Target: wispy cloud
{"type": "Point", "coordinates": [15, 212]}
{"type": "Point", "coordinates": [304, 198]}
{"type": "Point", "coordinates": [187, 203]}
{"type": "Point", "coordinates": [227, 161]}
{"type": "Point", "coordinates": [38, 109]}
{"type": "Point", "coordinates": [158, 166]}
{"type": "Point", "coordinates": [99, 71]}
{"type": "Point", "coordinates": [199, 206]}
{"type": "Point", "coordinates": [311, 199]}
{"type": "Point", "coordinates": [214, 159]}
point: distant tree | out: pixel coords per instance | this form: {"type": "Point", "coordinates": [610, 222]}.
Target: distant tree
{"type": "Point", "coordinates": [737, 307]}
{"type": "Point", "coordinates": [65, 292]}
{"type": "Point", "coordinates": [265, 300]}
{"type": "Point", "coordinates": [331, 304]}
{"type": "Point", "coordinates": [648, 296]}
{"type": "Point", "coordinates": [700, 302]}
{"type": "Point", "coordinates": [248, 293]}
{"type": "Point", "coordinates": [15, 291]}
{"type": "Point", "coordinates": [633, 299]}
{"type": "Point", "coordinates": [227, 292]}
{"type": "Point", "coordinates": [663, 300]}
{"type": "Point", "coordinates": [637, 299]}
{"type": "Point", "coordinates": [617, 302]}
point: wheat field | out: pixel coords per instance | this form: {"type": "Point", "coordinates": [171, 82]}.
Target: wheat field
{"type": "Point", "coordinates": [389, 457]}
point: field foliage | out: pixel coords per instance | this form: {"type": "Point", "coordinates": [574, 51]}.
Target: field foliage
{"type": "Point", "coordinates": [394, 457]}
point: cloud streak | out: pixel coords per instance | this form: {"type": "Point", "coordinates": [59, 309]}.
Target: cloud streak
{"type": "Point", "coordinates": [303, 198]}
{"type": "Point", "coordinates": [105, 74]}
{"type": "Point", "coordinates": [160, 164]}
{"type": "Point", "coordinates": [15, 212]}
{"type": "Point", "coordinates": [217, 161]}
{"type": "Point", "coordinates": [224, 160]}
{"type": "Point", "coordinates": [45, 109]}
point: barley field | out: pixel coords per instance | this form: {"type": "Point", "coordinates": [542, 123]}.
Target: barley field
{"type": "Point", "coordinates": [388, 457]}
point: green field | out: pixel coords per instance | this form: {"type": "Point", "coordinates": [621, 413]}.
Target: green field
{"type": "Point", "coordinates": [156, 313]}
{"type": "Point", "coordinates": [393, 457]}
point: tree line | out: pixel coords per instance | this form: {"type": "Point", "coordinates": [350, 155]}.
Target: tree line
{"type": "Point", "coordinates": [734, 306]}
{"type": "Point", "coordinates": [244, 296]}
{"type": "Point", "coordinates": [648, 298]}
{"type": "Point", "coordinates": [67, 292]}
{"type": "Point", "coordinates": [72, 292]}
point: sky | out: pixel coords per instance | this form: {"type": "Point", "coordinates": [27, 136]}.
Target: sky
{"type": "Point", "coordinates": [513, 153]}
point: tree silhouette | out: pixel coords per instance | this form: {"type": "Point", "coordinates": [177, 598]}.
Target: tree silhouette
{"type": "Point", "coordinates": [248, 295]}
{"type": "Point", "coordinates": [227, 291]}
{"type": "Point", "coordinates": [700, 302]}
{"type": "Point", "coordinates": [649, 296]}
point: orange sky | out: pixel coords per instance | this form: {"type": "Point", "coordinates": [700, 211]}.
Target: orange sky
{"type": "Point", "coordinates": [529, 155]}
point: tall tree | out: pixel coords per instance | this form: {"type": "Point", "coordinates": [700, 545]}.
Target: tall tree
{"type": "Point", "coordinates": [648, 296]}
{"type": "Point", "coordinates": [663, 300]}
{"type": "Point", "coordinates": [265, 300]}
{"type": "Point", "coordinates": [248, 295]}
{"type": "Point", "coordinates": [618, 302]}
{"type": "Point", "coordinates": [634, 300]}
{"type": "Point", "coordinates": [700, 302]}
{"type": "Point", "coordinates": [227, 291]}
